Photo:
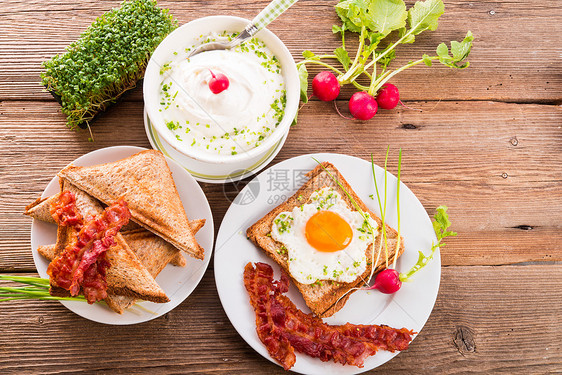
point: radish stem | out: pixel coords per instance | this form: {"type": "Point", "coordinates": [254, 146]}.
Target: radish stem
{"type": "Point", "coordinates": [323, 64]}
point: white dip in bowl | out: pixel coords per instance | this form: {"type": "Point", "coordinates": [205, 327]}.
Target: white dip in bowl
{"type": "Point", "coordinates": [236, 129]}
{"type": "Point", "coordinates": [234, 120]}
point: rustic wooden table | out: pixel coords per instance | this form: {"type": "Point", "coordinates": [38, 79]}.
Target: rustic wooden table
{"type": "Point", "coordinates": [488, 143]}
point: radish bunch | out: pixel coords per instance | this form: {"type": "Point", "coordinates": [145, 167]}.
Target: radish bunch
{"type": "Point", "coordinates": [374, 21]}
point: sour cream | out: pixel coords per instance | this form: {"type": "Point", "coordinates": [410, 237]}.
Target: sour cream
{"type": "Point", "coordinates": [235, 120]}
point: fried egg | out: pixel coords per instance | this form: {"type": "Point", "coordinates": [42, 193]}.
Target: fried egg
{"type": "Point", "coordinates": [324, 238]}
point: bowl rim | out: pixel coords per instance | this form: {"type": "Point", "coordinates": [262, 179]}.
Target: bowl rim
{"type": "Point", "coordinates": [291, 73]}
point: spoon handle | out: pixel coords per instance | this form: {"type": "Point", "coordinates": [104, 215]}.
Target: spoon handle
{"type": "Point", "coordinates": [271, 12]}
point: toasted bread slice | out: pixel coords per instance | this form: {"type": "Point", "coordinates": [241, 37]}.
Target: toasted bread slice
{"type": "Point", "coordinates": [178, 260]}
{"type": "Point", "coordinates": [152, 251]}
{"type": "Point", "coordinates": [145, 182]}
{"type": "Point", "coordinates": [126, 276]}
{"type": "Point", "coordinates": [40, 209]}
{"type": "Point", "coordinates": [329, 297]}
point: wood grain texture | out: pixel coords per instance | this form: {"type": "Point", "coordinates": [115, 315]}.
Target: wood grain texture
{"type": "Point", "coordinates": [516, 55]}
{"type": "Point", "coordinates": [511, 326]}
{"type": "Point", "coordinates": [487, 143]}
{"type": "Point", "coordinates": [502, 182]}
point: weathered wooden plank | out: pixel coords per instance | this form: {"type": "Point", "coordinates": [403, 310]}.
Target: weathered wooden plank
{"type": "Point", "coordinates": [499, 169]}
{"type": "Point", "coordinates": [504, 68]}
{"type": "Point", "coordinates": [512, 325]}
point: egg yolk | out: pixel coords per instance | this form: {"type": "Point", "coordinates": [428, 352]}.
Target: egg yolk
{"type": "Point", "coordinates": [327, 231]}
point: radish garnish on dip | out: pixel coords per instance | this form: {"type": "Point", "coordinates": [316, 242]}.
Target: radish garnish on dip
{"type": "Point", "coordinates": [218, 83]}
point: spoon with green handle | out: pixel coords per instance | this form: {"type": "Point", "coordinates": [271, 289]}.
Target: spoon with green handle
{"type": "Point", "coordinates": [266, 16]}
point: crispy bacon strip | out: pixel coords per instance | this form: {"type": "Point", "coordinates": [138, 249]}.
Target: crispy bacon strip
{"type": "Point", "coordinates": [284, 329]}
{"type": "Point", "coordinates": [64, 210]}
{"type": "Point", "coordinates": [82, 265]}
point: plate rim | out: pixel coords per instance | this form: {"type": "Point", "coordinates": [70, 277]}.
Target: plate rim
{"type": "Point", "coordinates": [130, 150]}
{"type": "Point", "coordinates": [219, 242]}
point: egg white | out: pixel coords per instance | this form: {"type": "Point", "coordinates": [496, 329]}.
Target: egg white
{"type": "Point", "coordinates": [308, 265]}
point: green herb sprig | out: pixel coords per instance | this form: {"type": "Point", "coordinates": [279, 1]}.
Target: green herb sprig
{"type": "Point", "coordinates": [374, 21]}
{"type": "Point", "coordinates": [38, 288]}
{"type": "Point", "coordinates": [107, 60]}
{"type": "Point", "coordinates": [440, 225]}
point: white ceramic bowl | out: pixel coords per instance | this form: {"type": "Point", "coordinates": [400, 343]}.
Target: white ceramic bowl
{"type": "Point", "coordinates": [219, 167]}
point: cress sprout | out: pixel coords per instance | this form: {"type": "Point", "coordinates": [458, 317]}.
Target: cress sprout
{"type": "Point", "coordinates": [107, 60]}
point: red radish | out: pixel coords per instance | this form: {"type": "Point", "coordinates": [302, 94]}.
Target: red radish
{"type": "Point", "coordinates": [362, 106]}
{"type": "Point", "coordinates": [387, 281]}
{"type": "Point", "coordinates": [325, 86]}
{"type": "Point", "coordinates": [218, 83]}
{"type": "Point", "coordinates": [388, 96]}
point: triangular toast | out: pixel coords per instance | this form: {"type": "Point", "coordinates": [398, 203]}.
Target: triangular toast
{"type": "Point", "coordinates": [40, 209]}
{"type": "Point", "coordinates": [323, 300]}
{"type": "Point", "coordinates": [145, 182]}
{"type": "Point", "coordinates": [153, 252]}
{"type": "Point", "coordinates": [126, 276]}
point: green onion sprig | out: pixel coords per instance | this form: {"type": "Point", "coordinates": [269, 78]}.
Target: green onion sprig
{"type": "Point", "coordinates": [38, 288]}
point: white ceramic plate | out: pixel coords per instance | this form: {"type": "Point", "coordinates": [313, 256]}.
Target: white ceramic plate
{"type": "Point", "coordinates": [204, 172]}
{"type": "Point", "coordinates": [177, 282]}
{"type": "Point", "coordinates": [410, 307]}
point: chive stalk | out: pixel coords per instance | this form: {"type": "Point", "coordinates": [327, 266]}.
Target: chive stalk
{"type": "Point", "coordinates": [398, 208]}
{"type": "Point", "coordinates": [37, 288]}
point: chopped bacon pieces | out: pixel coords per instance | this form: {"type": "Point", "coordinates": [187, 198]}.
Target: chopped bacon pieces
{"type": "Point", "coordinates": [82, 265]}
{"type": "Point", "coordinates": [284, 329]}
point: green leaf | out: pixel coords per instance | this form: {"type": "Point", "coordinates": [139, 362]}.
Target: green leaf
{"type": "Point", "coordinates": [387, 15]}
{"type": "Point", "coordinates": [424, 15]}
{"type": "Point", "coordinates": [409, 39]}
{"type": "Point", "coordinates": [309, 55]}
{"type": "Point", "coordinates": [303, 79]}
{"type": "Point", "coordinates": [353, 14]}
{"type": "Point", "coordinates": [442, 50]}
{"type": "Point", "coordinates": [375, 38]}
{"type": "Point", "coordinates": [343, 57]}
{"type": "Point", "coordinates": [459, 50]}
{"type": "Point", "coordinates": [386, 59]}
{"type": "Point", "coordinates": [441, 223]}
{"type": "Point", "coordinates": [427, 60]}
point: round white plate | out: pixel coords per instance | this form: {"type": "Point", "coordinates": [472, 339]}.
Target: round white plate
{"type": "Point", "coordinates": [202, 172]}
{"type": "Point", "coordinates": [410, 307]}
{"type": "Point", "coordinates": [177, 282]}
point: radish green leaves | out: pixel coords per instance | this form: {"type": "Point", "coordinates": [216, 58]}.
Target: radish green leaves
{"type": "Point", "coordinates": [389, 15]}
{"type": "Point", "coordinates": [373, 22]}
{"type": "Point", "coordinates": [424, 15]}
